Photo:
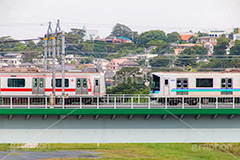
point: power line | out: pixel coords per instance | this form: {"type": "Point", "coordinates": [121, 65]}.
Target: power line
{"type": "Point", "coordinates": [20, 40]}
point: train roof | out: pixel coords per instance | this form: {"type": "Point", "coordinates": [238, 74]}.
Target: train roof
{"type": "Point", "coordinates": [227, 71]}
{"type": "Point", "coordinates": [37, 70]}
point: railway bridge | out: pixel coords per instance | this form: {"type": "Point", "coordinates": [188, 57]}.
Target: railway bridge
{"type": "Point", "coordinates": [118, 119]}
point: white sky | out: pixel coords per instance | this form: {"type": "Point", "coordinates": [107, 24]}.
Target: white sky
{"type": "Point", "coordinates": [29, 18]}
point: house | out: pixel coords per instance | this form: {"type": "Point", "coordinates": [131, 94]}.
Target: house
{"type": "Point", "coordinates": [209, 47]}
{"type": "Point", "coordinates": [40, 62]}
{"type": "Point", "coordinates": [3, 65]}
{"type": "Point", "coordinates": [109, 74]}
{"type": "Point", "coordinates": [186, 35]}
{"type": "Point", "coordinates": [205, 39]}
{"type": "Point", "coordinates": [12, 62]}
{"type": "Point", "coordinates": [132, 57]}
{"type": "Point", "coordinates": [90, 34]}
{"type": "Point", "coordinates": [114, 63]}
{"type": "Point", "coordinates": [128, 63]}
{"type": "Point", "coordinates": [71, 67]}
{"type": "Point", "coordinates": [71, 58]}
{"type": "Point", "coordinates": [90, 70]}
{"type": "Point", "coordinates": [89, 65]}
{"type": "Point", "coordinates": [236, 36]}
{"type": "Point", "coordinates": [181, 47]}
{"type": "Point", "coordinates": [27, 65]}
{"type": "Point", "coordinates": [101, 63]}
{"type": "Point", "coordinates": [217, 33]}
{"type": "Point", "coordinates": [135, 57]}
{"type": "Point", "coordinates": [13, 59]}
{"type": "Point", "coordinates": [13, 55]}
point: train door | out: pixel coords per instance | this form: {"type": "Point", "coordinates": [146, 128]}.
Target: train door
{"type": "Point", "coordinates": [84, 85]}
{"type": "Point", "coordinates": [226, 84]}
{"type": "Point", "coordinates": [166, 86]}
{"type": "Point", "coordinates": [78, 86]}
{"type": "Point", "coordinates": [182, 86]}
{"type": "Point", "coordinates": [81, 86]}
{"type": "Point", "coordinates": [38, 86]}
{"type": "Point", "coordinates": [96, 85]}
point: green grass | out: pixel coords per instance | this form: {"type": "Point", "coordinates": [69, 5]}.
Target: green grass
{"type": "Point", "coordinates": [12, 153]}
{"type": "Point", "coordinates": [153, 151]}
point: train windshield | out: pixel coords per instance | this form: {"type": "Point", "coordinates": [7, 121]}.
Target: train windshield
{"type": "Point", "coordinates": [155, 83]}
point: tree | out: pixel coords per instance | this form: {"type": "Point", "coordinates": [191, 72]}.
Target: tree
{"type": "Point", "coordinates": [159, 61]}
{"type": "Point", "coordinates": [127, 72]}
{"type": "Point", "coordinates": [236, 30]}
{"type": "Point", "coordinates": [124, 31]}
{"type": "Point", "coordinates": [235, 50]}
{"type": "Point", "coordinates": [200, 34]}
{"type": "Point", "coordinates": [230, 36]}
{"type": "Point", "coordinates": [195, 50]}
{"type": "Point", "coordinates": [100, 46]}
{"type": "Point", "coordinates": [186, 60]}
{"type": "Point", "coordinates": [222, 44]}
{"type": "Point", "coordinates": [153, 35]}
{"type": "Point", "coordinates": [75, 36]}
{"type": "Point", "coordinates": [87, 46]}
{"type": "Point", "coordinates": [173, 37]}
{"type": "Point", "coordinates": [141, 62]}
{"type": "Point", "coordinates": [73, 62]}
{"type": "Point", "coordinates": [189, 56]}
{"type": "Point", "coordinates": [161, 45]}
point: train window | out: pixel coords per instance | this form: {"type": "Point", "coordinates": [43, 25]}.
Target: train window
{"type": "Point", "coordinates": [84, 83]}
{"type": "Point", "coordinates": [13, 82]}
{"type": "Point", "coordinates": [34, 82]}
{"type": "Point", "coordinates": [96, 82]}
{"type": "Point", "coordinates": [204, 82]}
{"type": "Point", "coordinates": [155, 83]}
{"type": "Point", "coordinates": [41, 83]}
{"type": "Point", "coordinates": [59, 83]}
{"type": "Point", "coordinates": [185, 83]}
{"type": "Point", "coordinates": [229, 82]}
{"type": "Point", "coordinates": [78, 83]}
{"type": "Point", "coordinates": [166, 81]}
{"type": "Point", "coordinates": [179, 83]}
{"type": "Point", "coordinates": [223, 83]}
{"type": "Point", "coordinates": [66, 82]}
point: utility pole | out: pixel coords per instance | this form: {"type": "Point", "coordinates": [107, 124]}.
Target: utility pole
{"type": "Point", "coordinates": [57, 37]}
{"type": "Point", "coordinates": [45, 53]}
{"type": "Point", "coordinates": [63, 63]}
{"type": "Point", "coordinates": [53, 65]}
{"type": "Point", "coordinates": [47, 46]}
{"type": "Point", "coordinates": [52, 44]}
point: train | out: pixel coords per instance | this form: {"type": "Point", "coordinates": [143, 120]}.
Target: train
{"type": "Point", "coordinates": [33, 82]}
{"type": "Point", "coordinates": [193, 85]}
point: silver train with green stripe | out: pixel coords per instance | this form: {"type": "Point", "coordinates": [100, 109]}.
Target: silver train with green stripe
{"type": "Point", "coordinates": [194, 84]}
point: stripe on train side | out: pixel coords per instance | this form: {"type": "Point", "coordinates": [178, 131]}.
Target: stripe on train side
{"type": "Point", "coordinates": [205, 90]}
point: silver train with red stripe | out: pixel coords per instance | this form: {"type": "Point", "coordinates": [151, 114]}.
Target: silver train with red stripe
{"type": "Point", "coordinates": [33, 82]}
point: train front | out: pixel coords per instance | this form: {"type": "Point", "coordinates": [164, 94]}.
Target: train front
{"type": "Point", "coordinates": [155, 85]}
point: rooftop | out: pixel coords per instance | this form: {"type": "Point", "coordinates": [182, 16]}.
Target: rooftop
{"type": "Point", "coordinates": [129, 63]}
{"type": "Point", "coordinates": [206, 37]}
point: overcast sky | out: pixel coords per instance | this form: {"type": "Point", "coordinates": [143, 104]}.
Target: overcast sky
{"type": "Point", "coordinates": [29, 18]}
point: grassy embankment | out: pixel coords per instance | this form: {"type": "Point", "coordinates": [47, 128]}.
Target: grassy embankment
{"type": "Point", "coordinates": [156, 151]}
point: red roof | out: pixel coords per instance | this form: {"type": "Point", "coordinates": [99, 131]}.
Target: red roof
{"type": "Point", "coordinates": [185, 37]}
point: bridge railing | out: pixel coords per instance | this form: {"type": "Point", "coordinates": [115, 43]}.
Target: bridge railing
{"type": "Point", "coordinates": [118, 101]}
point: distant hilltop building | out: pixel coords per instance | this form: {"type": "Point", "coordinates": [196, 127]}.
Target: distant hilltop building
{"type": "Point", "coordinates": [114, 39]}
{"type": "Point", "coordinates": [90, 34]}
{"type": "Point", "coordinates": [236, 36]}
{"type": "Point", "coordinates": [186, 35]}
{"type": "Point", "coordinates": [217, 33]}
